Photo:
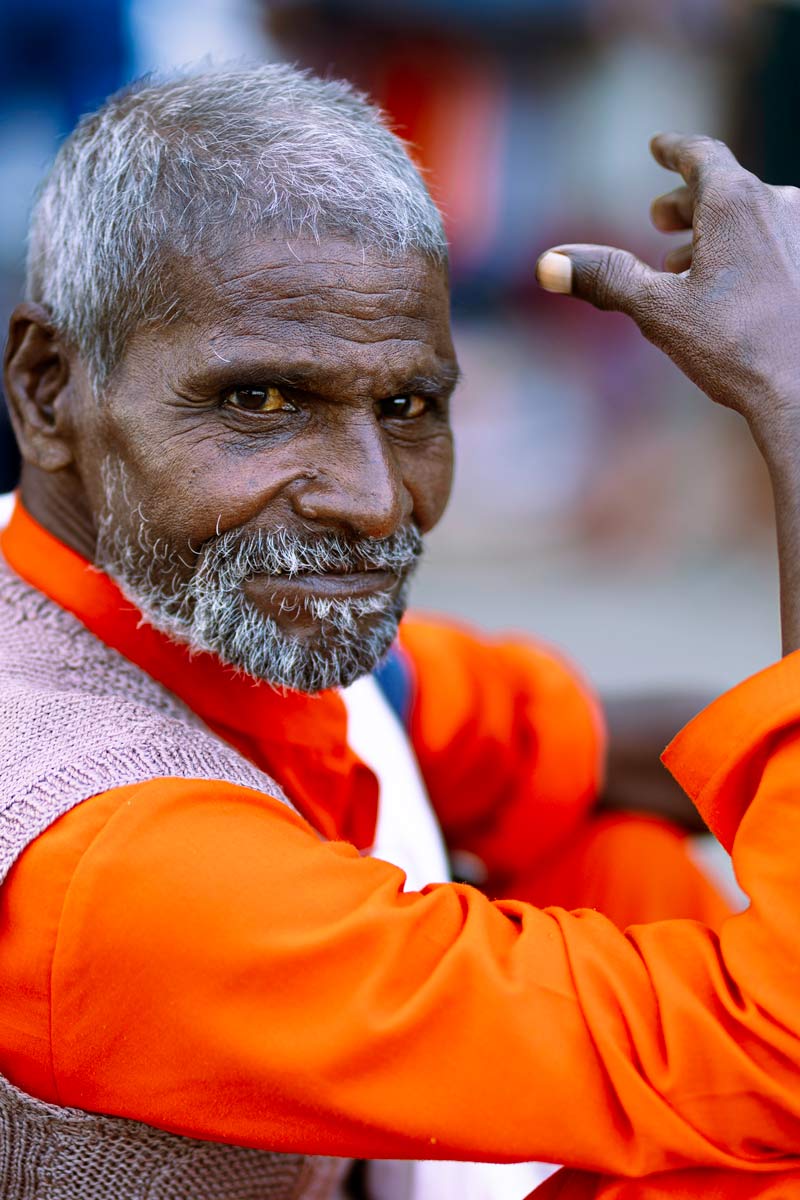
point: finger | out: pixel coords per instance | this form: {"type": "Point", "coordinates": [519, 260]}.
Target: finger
{"type": "Point", "coordinates": [679, 259]}
{"type": "Point", "coordinates": [698, 158]}
{"type": "Point", "coordinates": [607, 278]}
{"type": "Point", "coordinates": [674, 211]}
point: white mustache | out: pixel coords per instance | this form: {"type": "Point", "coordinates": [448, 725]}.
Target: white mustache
{"type": "Point", "coordinates": [209, 610]}
{"type": "Point", "coordinates": [234, 556]}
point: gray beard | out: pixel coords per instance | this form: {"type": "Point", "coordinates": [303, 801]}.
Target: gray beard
{"type": "Point", "coordinates": [210, 612]}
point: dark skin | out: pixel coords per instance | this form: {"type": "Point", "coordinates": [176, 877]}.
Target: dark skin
{"type": "Point", "coordinates": [305, 386]}
{"type": "Point", "coordinates": [724, 309]}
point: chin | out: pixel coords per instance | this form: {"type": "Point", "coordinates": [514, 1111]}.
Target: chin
{"type": "Point", "coordinates": [315, 657]}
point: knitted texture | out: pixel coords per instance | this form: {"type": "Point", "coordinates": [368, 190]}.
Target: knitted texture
{"type": "Point", "coordinates": [77, 719]}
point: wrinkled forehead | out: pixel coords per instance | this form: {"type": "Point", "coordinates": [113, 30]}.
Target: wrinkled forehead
{"type": "Point", "coordinates": [347, 309]}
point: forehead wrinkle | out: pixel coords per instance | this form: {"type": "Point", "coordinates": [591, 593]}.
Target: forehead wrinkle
{"type": "Point", "coordinates": [322, 308]}
{"type": "Point", "coordinates": [418, 278]}
{"type": "Point", "coordinates": [303, 294]}
{"type": "Point", "coordinates": [296, 279]}
{"type": "Point", "coordinates": [295, 286]}
{"type": "Point", "coordinates": [344, 304]}
{"type": "Point", "coordinates": [336, 327]}
{"type": "Point", "coordinates": [278, 321]}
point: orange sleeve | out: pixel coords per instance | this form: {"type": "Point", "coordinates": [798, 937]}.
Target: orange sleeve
{"type": "Point", "coordinates": [219, 971]}
{"type": "Point", "coordinates": [510, 741]}
{"type": "Point", "coordinates": [672, 1185]}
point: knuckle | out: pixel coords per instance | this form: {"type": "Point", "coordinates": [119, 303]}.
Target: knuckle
{"type": "Point", "coordinates": [700, 143]}
{"type": "Point", "coordinates": [733, 194]}
{"type": "Point", "coordinates": [748, 185]}
{"type": "Point", "coordinates": [786, 194]}
{"type": "Point", "coordinates": [711, 195]}
{"type": "Point", "coordinates": [610, 280]}
{"type": "Point", "coordinates": [698, 150]}
{"type": "Point", "coordinates": [654, 306]}
{"type": "Point", "coordinates": [716, 145]}
{"type": "Point", "coordinates": [714, 153]}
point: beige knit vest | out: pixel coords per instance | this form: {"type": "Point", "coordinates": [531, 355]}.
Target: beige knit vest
{"type": "Point", "coordinates": [76, 719]}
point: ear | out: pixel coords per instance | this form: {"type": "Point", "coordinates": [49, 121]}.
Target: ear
{"type": "Point", "coordinates": [38, 381]}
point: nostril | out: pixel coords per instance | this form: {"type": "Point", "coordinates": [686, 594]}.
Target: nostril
{"type": "Point", "coordinates": [361, 503]}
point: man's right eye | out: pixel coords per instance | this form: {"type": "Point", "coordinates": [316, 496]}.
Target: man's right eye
{"type": "Point", "coordinates": [257, 400]}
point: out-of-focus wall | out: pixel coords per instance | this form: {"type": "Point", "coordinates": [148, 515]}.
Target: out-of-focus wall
{"type": "Point", "coordinates": [601, 500]}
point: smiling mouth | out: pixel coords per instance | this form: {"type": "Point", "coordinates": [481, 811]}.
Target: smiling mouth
{"type": "Point", "coordinates": [332, 585]}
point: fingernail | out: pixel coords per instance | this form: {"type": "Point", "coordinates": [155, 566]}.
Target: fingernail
{"type": "Point", "coordinates": [554, 272]}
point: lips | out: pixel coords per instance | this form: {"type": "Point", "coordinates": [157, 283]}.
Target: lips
{"type": "Point", "coordinates": [327, 585]}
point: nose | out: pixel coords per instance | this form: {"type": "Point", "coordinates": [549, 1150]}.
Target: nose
{"type": "Point", "coordinates": [355, 484]}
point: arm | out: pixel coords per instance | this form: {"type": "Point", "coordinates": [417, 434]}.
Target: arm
{"type": "Point", "coordinates": [782, 453]}
{"type": "Point", "coordinates": [510, 740]}
{"type": "Point", "coordinates": [221, 972]}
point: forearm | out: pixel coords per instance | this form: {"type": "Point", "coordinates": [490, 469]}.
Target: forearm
{"type": "Point", "coordinates": [346, 1017]}
{"type": "Point", "coordinates": [779, 443]}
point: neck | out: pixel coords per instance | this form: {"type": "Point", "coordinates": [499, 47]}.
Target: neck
{"type": "Point", "coordinates": [58, 502]}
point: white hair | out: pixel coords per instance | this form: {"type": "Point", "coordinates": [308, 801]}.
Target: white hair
{"type": "Point", "coordinates": [173, 166]}
{"type": "Point", "coordinates": [209, 610]}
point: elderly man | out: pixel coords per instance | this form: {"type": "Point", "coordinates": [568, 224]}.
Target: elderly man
{"type": "Point", "coordinates": [230, 387]}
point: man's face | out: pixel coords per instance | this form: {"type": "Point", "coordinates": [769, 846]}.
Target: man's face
{"type": "Point", "coordinates": [270, 459]}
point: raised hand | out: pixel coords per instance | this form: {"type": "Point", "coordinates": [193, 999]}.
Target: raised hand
{"type": "Point", "coordinates": [726, 309]}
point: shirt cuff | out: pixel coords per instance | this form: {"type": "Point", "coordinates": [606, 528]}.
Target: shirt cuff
{"type": "Point", "coordinates": [714, 756]}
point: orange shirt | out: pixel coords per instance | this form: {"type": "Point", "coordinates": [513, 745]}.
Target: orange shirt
{"type": "Point", "coordinates": [192, 955]}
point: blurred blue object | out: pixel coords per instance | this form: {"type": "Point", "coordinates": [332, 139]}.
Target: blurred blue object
{"type": "Point", "coordinates": [65, 57]}
{"type": "Point", "coordinates": [57, 62]}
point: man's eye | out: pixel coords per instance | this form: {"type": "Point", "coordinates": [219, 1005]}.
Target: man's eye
{"type": "Point", "coordinates": [404, 408]}
{"type": "Point", "coordinates": [257, 400]}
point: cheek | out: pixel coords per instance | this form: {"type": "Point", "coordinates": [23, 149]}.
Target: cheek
{"type": "Point", "coordinates": [428, 475]}
{"type": "Point", "coordinates": [221, 494]}
{"type": "Point", "coordinates": [191, 477]}
{"type": "Point", "coordinates": [190, 493]}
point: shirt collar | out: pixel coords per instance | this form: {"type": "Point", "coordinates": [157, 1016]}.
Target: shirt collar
{"type": "Point", "coordinates": [300, 740]}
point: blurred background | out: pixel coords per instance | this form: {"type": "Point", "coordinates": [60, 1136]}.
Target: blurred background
{"type": "Point", "coordinates": [601, 501]}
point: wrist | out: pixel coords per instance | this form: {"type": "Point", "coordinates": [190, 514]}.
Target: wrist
{"type": "Point", "coordinates": [775, 428]}
{"type": "Point", "coordinates": [778, 439]}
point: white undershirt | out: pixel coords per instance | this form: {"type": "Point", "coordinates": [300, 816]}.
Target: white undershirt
{"type": "Point", "coordinates": [407, 832]}
{"type": "Point", "coordinates": [408, 835]}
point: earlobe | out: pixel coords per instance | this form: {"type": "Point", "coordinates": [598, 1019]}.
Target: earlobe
{"type": "Point", "coordinates": [37, 386]}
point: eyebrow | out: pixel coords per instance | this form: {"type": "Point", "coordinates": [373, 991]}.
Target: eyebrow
{"type": "Point", "coordinates": [443, 380]}
{"type": "Point", "coordinates": [310, 377]}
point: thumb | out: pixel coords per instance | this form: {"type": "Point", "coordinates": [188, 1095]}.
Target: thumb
{"type": "Point", "coordinates": [607, 278]}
